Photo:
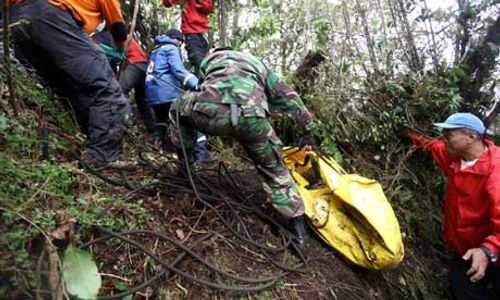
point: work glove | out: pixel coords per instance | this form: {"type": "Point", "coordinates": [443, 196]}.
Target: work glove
{"type": "Point", "coordinates": [307, 142]}
{"type": "Point", "coordinates": [191, 82]}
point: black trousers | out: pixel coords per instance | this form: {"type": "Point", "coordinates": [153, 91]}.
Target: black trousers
{"type": "Point", "coordinates": [462, 288]}
{"type": "Point", "coordinates": [65, 57]}
{"type": "Point", "coordinates": [133, 77]}
{"type": "Point", "coordinates": [197, 48]}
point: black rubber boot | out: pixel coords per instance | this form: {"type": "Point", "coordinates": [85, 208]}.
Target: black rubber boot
{"type": "Point", "coordinates": [297, 227]}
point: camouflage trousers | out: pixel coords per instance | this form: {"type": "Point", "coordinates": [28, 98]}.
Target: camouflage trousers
{"type": "Point", "coordinates": [257, 137]}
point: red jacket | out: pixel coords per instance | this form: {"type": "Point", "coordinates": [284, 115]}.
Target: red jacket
{"type": "Point", "coordinates": [135, 54]}
{"type": "Point", "coordinates": [194, 18]}
{"type": "Point", "coordinates": [472, 202]}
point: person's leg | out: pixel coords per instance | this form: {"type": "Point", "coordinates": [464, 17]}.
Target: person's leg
{"type": "Point", "coordinates": [264, 148]}
{"type": "Point", "coordinates": [127, 79]}
{"type": "Point", "coordinates": [161, 127]}
{"type": "Point", "coordinates": [143, 107]}
{"type": "Point", "coordinates": [196, 47]}
{"type": "Point", "coordinates": [133, 77]}
{"type": "Point", "coordinates": [461, 287]}
{"type": "Point", "coordinates": [71, 51]}
{"type": "Point", "coordinates": [182, 134]}
{"type": "Point", "coordinates": [201, 152]}
{"type": "Point", "coordinates": [34, 56]}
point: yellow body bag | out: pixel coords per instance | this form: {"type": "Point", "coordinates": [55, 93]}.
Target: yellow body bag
{"type": "Point", "coordinates": [349, 212]}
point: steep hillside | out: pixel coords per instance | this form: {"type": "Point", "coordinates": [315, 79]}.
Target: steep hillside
{"type": "Point", "coordinates": [155, 231]}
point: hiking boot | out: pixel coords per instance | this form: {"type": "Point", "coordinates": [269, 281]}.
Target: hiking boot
{"type": "Point", "coordinates": [88, 161]}
{"type": "Point", "coordinates": [159, 134]}
{"type": "Point", "coordinates": [297, 227]}
{"type": "Point", "coordinates": [158, 144]}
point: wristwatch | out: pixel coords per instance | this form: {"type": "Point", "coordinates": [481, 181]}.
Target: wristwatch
{"type": "Point", "coordinates": [492, 257]}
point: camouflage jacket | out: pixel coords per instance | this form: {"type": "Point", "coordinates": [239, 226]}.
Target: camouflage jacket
{"type": "Point", "coordinates": [233, 77]}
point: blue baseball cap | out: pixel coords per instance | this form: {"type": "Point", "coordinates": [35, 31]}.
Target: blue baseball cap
{"type": "Point", "coordinates": [465, 121]}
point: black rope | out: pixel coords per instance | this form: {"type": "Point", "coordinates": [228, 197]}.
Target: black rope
{"type": "Point", "coordinates": [240, 288]}
{"type": "Point", "coordinates": [146, 283]}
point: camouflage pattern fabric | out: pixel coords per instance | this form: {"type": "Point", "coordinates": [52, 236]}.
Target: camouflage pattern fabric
{"type": "Point", "coordinates": [229, 76]}
{"type": "Point", "coordinates": [238, 87]}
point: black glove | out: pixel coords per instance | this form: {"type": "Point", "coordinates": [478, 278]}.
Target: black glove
{"type": "Point", "coordinates": [306, 140]}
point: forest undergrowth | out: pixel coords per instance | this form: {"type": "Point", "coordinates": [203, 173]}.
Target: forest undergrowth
{"type": "Point", "coordinates": [47, 202]}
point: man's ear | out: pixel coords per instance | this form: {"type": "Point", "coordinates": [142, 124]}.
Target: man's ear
{"type": "Point", "coordinates": [473, 136]}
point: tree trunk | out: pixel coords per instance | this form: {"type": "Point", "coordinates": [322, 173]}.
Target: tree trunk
{"type": "Point", "coordinates": [432, 38]}
{"type": "Point", "coordinates": [414, 59]}
{"type": "Point", "coordinates": [478, 64]}
{"type": "Point", "coordinates": [488, 120]}
{"type": "Point", "coordinates": [222, 24]}
{"type": "Point", "coordinates": [369, 41]}
{"type": "Point", "coordinates": [306, 67]}
{"type": "Point", "coordinates": [6, 58]}
{"type": "Point", "coordinates": [354, 48]}
{"type": "Point", "coordinates": [463, 37]}
{"type": "Point", "coordinates": [388, 61]}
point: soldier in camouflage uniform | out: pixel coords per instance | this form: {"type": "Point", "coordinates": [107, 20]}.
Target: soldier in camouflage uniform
{"type": "Point", "coordinates": [234, 99]}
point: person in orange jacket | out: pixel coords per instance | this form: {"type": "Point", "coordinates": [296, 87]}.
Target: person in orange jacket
{"type": "Point", "coordinates": [471, 164]}
{"type": "Point", "coordinates": [56, 43]}
{"type": "Point", "coordinates": [194, 26]}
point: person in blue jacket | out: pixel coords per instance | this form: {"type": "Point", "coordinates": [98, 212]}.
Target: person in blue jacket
{"type": "Point", "coordinates": [165, 79]}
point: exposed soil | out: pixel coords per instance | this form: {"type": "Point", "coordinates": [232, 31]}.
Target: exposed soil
{"type": "Point", "coordinates": [182, 217]}
{"type": "Point", "coordinates": [240, 237]}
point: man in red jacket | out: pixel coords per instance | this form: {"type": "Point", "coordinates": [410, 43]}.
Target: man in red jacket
{"type": "Point", "coordinates": [194, 26]}
{"type": "Point", "coordinates": [471, 164]}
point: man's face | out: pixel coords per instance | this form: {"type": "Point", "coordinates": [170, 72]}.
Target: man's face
{"type": "Point", "coordinates": [457, 141]}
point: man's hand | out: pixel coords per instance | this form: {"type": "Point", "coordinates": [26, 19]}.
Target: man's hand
{"type": "Point", "coordinates": [479, 263]}
{"type": "Point", "coordinates": [307, 142]}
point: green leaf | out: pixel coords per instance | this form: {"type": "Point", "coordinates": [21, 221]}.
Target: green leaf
{"type": "Point", "coordinates": [121, 286]}
{"type": "Point", "coordinates": [80, 274]}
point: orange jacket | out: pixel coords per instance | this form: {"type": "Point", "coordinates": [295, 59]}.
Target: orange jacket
{"type": "Point", "coordinates": [90, 13]}
{"type": "Point", "coordinates": [472, 202]}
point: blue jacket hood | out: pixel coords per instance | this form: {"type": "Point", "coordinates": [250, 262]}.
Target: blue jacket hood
{"type": "Point", "coordinates": [166, 74]}
{"type": "Point", "coordinates": [164, 40]}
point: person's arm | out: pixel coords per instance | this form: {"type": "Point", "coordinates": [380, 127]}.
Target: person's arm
{"type": "Point", "coordinates": [112, 14]}
{"type": "Point", "coordinates": [284, 99]}
{"type": "Point", "coordinates": [170, 3]}
{"type": "Point", "coordinates": [179, 71]}
{"type": "Point", "coordinates": [435, 147]}
{"type": "Point", "coordinates": [204, 6]}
